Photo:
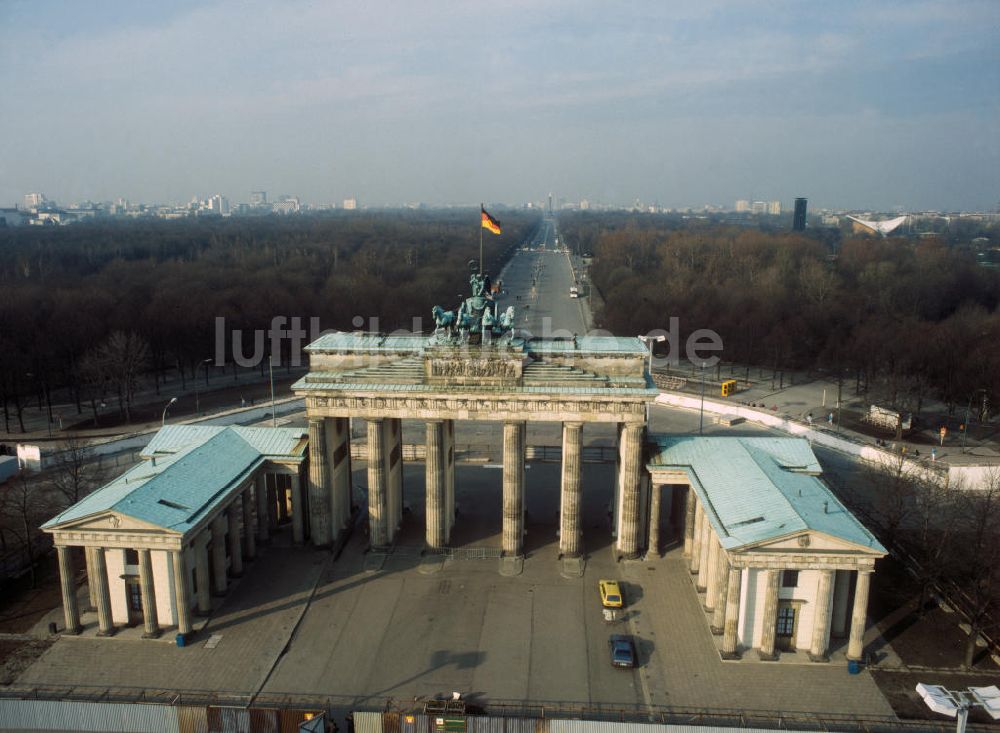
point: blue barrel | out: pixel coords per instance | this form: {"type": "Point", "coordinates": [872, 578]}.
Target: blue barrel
{"type": "Point", "coordinates": [853, 666]}
{"type": "Point", "coordinates": [180, 640]}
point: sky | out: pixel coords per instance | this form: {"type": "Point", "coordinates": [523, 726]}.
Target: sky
{"type": "Point", "coordinates": [889, 105]}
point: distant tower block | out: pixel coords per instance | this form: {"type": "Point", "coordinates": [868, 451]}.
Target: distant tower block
{"type": "Point", "coordinates": [258, 198]}
{"type": "Point", "coordinates": [550, 203]}
{"type": "Point", "coordinates": [799, 217]}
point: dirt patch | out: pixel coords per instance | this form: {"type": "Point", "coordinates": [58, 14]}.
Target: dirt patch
{"type": "Point", "coordinates": [17, 656]}
{"type": "Point", "coordinates": [22, 604]}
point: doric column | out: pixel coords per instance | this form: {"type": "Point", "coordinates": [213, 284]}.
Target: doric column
{"type": "Point", "coordinates": [714, 576]}
{"type": "Point", "coordinates": [770, 617]}
{"type": "Point", "coordinates": [219, 554]}
{"type": "Point", "coordinates": [71, 610]}
{"type": "Point", "coordinates": [821, 617]}
{"type": "Point", "coordinates": [653, 548]}
{"type": "Point", "coordinates": [435, 499]}
{"type": "Point", "coordinates": [263, 507]}
{"type": "Point", "coordinates": [378, 536]}
{"type": "Point", "coordinates": [856, 643]}
{"type": "Point", "coordinates": [298, 510]}
{"type": "Point", "coordinates": [631, 474]}
{"type": "Point", "coordinates": [513, 488]}
{"type": "Point", "coordinates": [235, 543]}
{"type": "Point", "coordinates": [181, 592]}
{"type": "Point", "coordinates": [319, 501]}
{"type": "Point", "coordinates": [696, 537]}
{"type": "Point", "coordinates": [202, 575]}
{"type": "Point", "coordinates": [91, 587]}
{"type": "Point", "coordinates": [730, 631]}
{"type": "Point", "coordinates": [394, 475]}
{"type": "Point", "coordinates": [569, 520]}
{"type": "Point", "coordinates": [704, 546]}
{"type": "Point", "coordinates": [718, 624]}
{"type": "Point", "coordinates": [104, 621]}
{"type": "Point", "coordinates": [148, 590]}
{"type": "Point", "coordinates": [689, 523]}
{"type": "Point", "coordinates": [249, 531]}
{"type": "Point", "coordinates": [449, 477]}
{"type": "Point", "coordinates": [338, 456]}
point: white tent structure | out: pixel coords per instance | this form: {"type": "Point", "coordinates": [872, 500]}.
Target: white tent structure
{"type": "Point", "coordinates": [881, 227]}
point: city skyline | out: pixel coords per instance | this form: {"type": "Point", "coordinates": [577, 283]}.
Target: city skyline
{"type": "Point", "coordinates": [884, 108]}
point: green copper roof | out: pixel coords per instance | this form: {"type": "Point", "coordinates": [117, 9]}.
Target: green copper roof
{"type": "Point", "coordinates": [195, 469]}
{"type": "Point", "coordinates": [759, 489]}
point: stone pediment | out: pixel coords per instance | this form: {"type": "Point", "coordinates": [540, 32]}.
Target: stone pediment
{"type": "Point", "coordinates": [811, 541]}
{"type": "Point", "coordinates": [109, 521]}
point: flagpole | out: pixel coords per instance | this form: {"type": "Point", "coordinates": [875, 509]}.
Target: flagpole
{"type": "Point", "coordinates": [482, 208]}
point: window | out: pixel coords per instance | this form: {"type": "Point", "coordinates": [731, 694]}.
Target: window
{"type": "Point", "coordinates": [131, 557]}
{"type": "Point", "coordinates": [134, 597]}
{"type": "Point", "coordinates": [789, 578]}
{"type": "Point", "coordinates": [786, 620]}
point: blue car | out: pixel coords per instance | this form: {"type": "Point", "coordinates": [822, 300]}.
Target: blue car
{"type": "Point", "coordinates": [622, 651]}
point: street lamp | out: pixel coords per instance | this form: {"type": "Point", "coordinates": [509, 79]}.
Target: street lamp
{"type": "Point", "coordinates": [957, 703]}
{"type": "Point", "coordinates": [968, 414]}
{"type": "Point", "coordinates": [163, 420]}
{"type": "Point", "coordinates": [649, 341]}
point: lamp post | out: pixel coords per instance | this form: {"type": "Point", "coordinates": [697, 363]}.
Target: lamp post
{"type": "Point", "coordinates": [163, 419]}
{"type": "Point", "coordinates": [968, 414]}
{"type": "Point", "coordinates": [649, 341]}
{"type": "Point", "coordinates": [957, 703]}
{"type": "Point", "coordinates": [701, 412]}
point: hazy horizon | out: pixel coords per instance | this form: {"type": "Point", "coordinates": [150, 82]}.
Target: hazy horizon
{"type": "Point", "coordinates": [857, 105]}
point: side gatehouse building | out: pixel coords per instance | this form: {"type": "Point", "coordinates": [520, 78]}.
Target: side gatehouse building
{"type": "Point", "coordinates": [781, 563]}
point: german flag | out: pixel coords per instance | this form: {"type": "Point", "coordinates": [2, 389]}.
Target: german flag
{"type": "Point", "coordinates": [489, 222]}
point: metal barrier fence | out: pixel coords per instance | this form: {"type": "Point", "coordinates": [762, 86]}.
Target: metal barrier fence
{"type": "Point", "coordinates": [501, 709]}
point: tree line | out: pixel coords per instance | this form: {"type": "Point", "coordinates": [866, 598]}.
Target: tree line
{"type": "Point", "coordinates": [89, 312]}
{"type": "Point", "coordinates": [908, 319]}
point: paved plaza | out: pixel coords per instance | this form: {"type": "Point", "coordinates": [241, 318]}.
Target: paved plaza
{"type": "Point", "coordinates": [301, 622]}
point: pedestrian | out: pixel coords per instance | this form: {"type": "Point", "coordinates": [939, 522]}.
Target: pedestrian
{"type": "Point", "coordinates": [933, 455]}
{"type": "Point", "coordinates": [809, 419]}
{"type": "Point", "coordinates": [829, 419]}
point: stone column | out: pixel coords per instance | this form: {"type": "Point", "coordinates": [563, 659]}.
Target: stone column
{"type": "Point", "coordinates": [713, 578]}
{"type": "Point", "coordinates": [181, 592]}
{"type": "Point", "coordinates": [376, 485]}
{"type": "Point", "coordinates": [263, 507]}
{"type": "Point", "coordinates": [338, 455]}
{"type": "Point", "coordinates": [718, 623]}
{"type": "Point", "coordinates": [91, 587]}
{"type": "Point", "coordinates": [104, 621]}
{"type": "Point", "coordinates": [856, 643]}
{"type": "Point", "coordinates": [394, 475]}
{"type": "Point", "coordinates": [653, 544]}
{"type": "Point", "coordinates": [298, 510]}
{"type": "Point", "coordinates": [319, 501]}
{"type": "Point", "coordinates": [631, 474]}
{"type": "Point", "coordinates": [435, 500]}
{"type": "Point", "coordinates": [449, 477]}
{"type": "Point", "coordinates": [71, 610]}
{"type": "Point", "coordinates": [513, 488]}
{"type": "Point", "coordinates": [235, 543]}
{"type": "Point", "coordinates": [730, 631]}
{"type": "Point", "coordinates": [689, 515]}
{"type": "Point", "coordinates": [821, 617]}
{"type": "Point", "coordinates": [704, 545]}
{"type": "Point", "coordinates": [770, 616]}
{"type": "Point", "coordinates": [249, 531]}
{"type": "Point", "coordinates": [148, 590]}
{"type": "Point", "coordinates": [696, 538]}
{"type": "Point", "coordinates": [202, 575]}
{"type": "Point", "coordinates": [219, 554]}
{"type": "Point", "coordinates": [569, 521]}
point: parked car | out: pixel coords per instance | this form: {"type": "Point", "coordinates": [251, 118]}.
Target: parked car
{"type": "Point", "coordinates": [611, 594]}
{"type": "Point", "coordinates": [622, 651]}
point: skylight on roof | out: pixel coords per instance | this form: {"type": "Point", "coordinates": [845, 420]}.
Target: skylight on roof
{"type": "Point", "coordinates": [173, 505]}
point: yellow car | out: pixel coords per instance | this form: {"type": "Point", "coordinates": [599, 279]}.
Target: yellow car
{"type": "Point", "coordinates": [611, 594]}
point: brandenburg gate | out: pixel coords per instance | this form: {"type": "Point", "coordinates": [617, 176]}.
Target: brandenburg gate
{"type": "Point", "coordinates": [383, 379]}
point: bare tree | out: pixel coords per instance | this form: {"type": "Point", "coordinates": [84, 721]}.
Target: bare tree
{"type": "Point", "coordinates": [24, 504]}
{"type": "Point", "coordinates": [73, 472]}
{"type": "Point", "coordinates": [119, 361]}
{"type": "Point", "coordinates": [894, 488]}
{"type": "Point", "coordinates": [978, 568]}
